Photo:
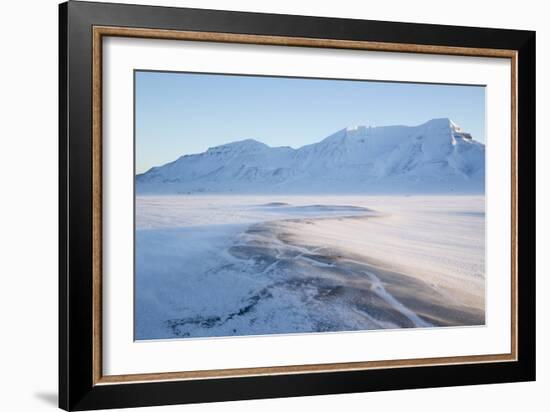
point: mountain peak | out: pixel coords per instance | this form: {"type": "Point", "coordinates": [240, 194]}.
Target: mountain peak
{"type": "Point", "coordinates": [440, 123]}
{"type": "Point", "coordinates": [240, 146]}
{"type": "Point", "coordinates": [358, 128]}
{"type": "Point", "coordinates": [343, 134]}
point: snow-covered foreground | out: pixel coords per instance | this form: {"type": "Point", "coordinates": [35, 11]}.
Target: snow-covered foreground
{"type": "Point", "coordinates": [253, 265]}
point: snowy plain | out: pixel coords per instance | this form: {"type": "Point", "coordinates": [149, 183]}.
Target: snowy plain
{"type": "Point", "coordinates": [227, 265]}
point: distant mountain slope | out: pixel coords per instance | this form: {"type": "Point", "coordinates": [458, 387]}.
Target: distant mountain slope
{"type": "Point", "coordinates": [435, 157]}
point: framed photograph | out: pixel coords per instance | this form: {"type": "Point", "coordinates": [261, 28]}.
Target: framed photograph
{"type": "Point", "coordinates": [256, 205]}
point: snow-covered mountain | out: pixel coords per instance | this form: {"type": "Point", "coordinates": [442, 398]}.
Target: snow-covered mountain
{"type": "Point", "coordinates": [434, 157]}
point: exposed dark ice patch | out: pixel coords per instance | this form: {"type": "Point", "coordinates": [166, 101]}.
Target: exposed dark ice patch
{"type": "Point", "coordinates": [335, 208]}
{"type": "Point", "coordinates": [317, 208]}
{"type": "Point", "coordinates": [275, 204]}
{"type": "Point", "coordinates": [183, 327]}
{"type": "Point", "coordinates": [469, 213]}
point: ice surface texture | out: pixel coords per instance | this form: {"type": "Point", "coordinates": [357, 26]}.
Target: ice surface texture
{"type": "Point", "coordinates": [222, 265]}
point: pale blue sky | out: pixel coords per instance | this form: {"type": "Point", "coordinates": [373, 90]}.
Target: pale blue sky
{"type": "Point", "coordinates": [183, 113]}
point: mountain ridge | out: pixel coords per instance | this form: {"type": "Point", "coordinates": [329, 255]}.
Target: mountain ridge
{"type": "Point", "coordinates": [434, 157]}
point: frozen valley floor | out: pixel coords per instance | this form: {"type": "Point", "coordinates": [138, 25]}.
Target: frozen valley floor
{"type": "Point", "coordinates": [226, 266]}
